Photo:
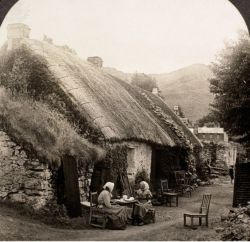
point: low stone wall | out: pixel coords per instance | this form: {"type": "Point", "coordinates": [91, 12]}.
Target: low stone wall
{"type": "Point", "coordinates": [216, 158]}
{"type": "Point", "coordinates": [23, 180]}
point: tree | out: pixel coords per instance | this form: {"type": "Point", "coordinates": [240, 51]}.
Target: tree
{"type": "Point", "coordinates": [143, 81]}
{"type": "Point", "coordinates": [231, 86]}
{"type": "Point", "coordinates": [209, 120]}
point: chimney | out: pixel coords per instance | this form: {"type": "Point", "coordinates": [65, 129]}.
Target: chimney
{"type": "Point", "coordinates": [176, 110]}
{"type": "Point", "coordinates": [96, 61]}
{"type": "Point", "coordinates": [196, 127]}
{"type": "Point", "coordinates": [155, 91]}
{"type": "Point", "coordinates": [15, 33]}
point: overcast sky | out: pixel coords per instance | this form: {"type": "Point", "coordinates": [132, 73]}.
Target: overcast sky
{"type": "Point", "coordinates": [151, 36]}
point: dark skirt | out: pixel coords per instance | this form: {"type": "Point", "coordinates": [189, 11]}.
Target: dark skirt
{"type": "Point", "coordinates": [142, 211]}
{"type": "Point", "coordinates": [118, 216]}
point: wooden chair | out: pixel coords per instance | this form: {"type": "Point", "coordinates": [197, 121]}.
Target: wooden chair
{"type": "Point", "coordinates": [164, 186]}
{"type": "Point", "coordinates": [168, 194]}
{"type": "Point", "coordinates": [97, 218]}
{"type": "Point", "coordinates": [204, 210]}
{"type": "Point", "coordinates": [182, 183]}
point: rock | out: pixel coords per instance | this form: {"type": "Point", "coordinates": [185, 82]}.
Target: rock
{"type": "Point", "coordinates": [245, 221]}
{"type": "Point", "coordinates": [23, 154]}
{"type": "Point", "coordinates": [219, 229]}
{"type": "Point", "coordinates": [20, 162]}
{"type": "Point", "coordinates": [211, 176]}
{"type": "Point", "coordinates": [223, 217]}
{"type": "Point", "coordinates": [3, 194]}
{"type": "Point", "coordinates": [5, 151]}
{"type": "Point", "coordinates": [35, 184]}
{"type": "Point", "coordinates": [202, 183]}
{"type": "Point", "coordinates": [18, 197]}
{"type": "Point", "coordinates": [36, 165]}
{"type": "Point", "coordinates": [32, 192]}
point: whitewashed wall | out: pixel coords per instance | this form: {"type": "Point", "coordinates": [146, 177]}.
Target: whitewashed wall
{"type": "Point", "coordinates": [139, 157]}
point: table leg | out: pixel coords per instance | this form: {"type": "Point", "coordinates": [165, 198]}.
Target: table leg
{"type": "Point", "coordinates": [133, 214]}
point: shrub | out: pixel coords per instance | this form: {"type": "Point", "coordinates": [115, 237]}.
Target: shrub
{"type": "Point", "coordinates": [141, 176]}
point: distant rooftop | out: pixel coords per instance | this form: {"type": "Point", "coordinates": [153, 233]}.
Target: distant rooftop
{"type": "Point", "coordinates": [207, 130]}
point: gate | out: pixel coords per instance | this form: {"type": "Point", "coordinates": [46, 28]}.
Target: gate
{"type": "Point", "coordinates": [241, 184]}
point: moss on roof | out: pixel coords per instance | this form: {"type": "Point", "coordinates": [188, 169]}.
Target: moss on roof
{"type": "Point", "coordinates": [48, 133]}
{"type": "Point", "coordinates": [119, 111]}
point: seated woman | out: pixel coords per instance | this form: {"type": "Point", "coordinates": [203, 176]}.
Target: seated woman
{"type": "Point", "coordinates": [117, 215]}
{"type": "Point", "coordinates": [143, 211]}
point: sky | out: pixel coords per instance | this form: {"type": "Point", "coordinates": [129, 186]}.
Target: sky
{"type": "Point", "coordinates": [150, 36]}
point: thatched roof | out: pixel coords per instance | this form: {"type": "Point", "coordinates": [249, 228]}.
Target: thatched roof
{"type": "Point", "coordinates": [112, 106]}
{"type": "Point", "coordinates": [50, 135]}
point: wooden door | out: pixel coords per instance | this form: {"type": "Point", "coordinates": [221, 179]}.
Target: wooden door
{"type": "Point", "coordinates": [71, 186]}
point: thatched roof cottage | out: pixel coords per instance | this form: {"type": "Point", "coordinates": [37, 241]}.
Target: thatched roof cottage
{"type": "Point", "coordinates": [136, 128]}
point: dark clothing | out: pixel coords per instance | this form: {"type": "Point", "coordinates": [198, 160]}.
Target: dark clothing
{"type": "Point", "coordinates": [143, 209]}
{"type": "Point", "coordinates": [231, 174]}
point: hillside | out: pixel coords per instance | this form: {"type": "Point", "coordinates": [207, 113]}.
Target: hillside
{"type": "Point", "coordinates": [189, 88]}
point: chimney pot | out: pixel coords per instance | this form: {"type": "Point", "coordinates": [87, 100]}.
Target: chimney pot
{"type": "Point", "coordinates": [15, 33]}
{"type": "Point", "coordinates": [96, 61]}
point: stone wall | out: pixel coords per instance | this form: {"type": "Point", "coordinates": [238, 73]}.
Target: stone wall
{"type": "Point", "coordinates": [217, 157]}
{"type": "Point", "coordinates": [84, 181]}
{"type": "Point", "coordinates": [23, 180]}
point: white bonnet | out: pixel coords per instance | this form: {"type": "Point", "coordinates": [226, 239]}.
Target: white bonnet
{"type": "Point", "coordinates": [110, 186]}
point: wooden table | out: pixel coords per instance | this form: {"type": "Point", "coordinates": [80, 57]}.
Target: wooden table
{"type": "Point", "coordinates": [129, 203]}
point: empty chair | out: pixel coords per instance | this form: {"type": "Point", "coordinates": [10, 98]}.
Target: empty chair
{"type": "Point", "coordinates": [203, 214]}
{"type": "Point", "coordinates": [167, 194]}
{"type": "Point", "coordinates": [164, 186]}
{"type": "Point", "coordinates": [182, 182]}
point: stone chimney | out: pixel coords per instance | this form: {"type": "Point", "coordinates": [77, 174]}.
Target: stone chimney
{"type": "Point", "coordinates": [155, 91]}
{"type": "Point", "coordinates": [15, 34]}
{"type": "Point", "coordinates": [196, 129]}
{"type": "Point", "coordinates": [176, 110]}
{"type": "Point", "coordinates": [96, 61]}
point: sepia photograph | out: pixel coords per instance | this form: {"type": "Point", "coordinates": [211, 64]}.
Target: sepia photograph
{"type": "Point", "coordinates": [124, 120]}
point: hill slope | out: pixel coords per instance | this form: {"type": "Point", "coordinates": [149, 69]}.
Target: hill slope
{"type": "Point", "coordinates": [189, 88]}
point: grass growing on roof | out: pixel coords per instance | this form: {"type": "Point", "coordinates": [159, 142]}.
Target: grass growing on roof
{"type": "Point", "coordinates": [48, 132]}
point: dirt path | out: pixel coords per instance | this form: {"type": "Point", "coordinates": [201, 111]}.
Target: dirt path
{"type": "Point", "coordinates": [169, 224]}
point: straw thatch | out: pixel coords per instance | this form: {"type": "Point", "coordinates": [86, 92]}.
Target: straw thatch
{"type": "Point", "coordinates": [49, 134]}
{"type": "Point", "coordinates": [120, 114]}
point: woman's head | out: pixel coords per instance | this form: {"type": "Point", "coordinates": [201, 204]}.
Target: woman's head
{"type": "Point", "coordinates": [109, 186]}
{"type": "Point", "coordinates": [144, 186]}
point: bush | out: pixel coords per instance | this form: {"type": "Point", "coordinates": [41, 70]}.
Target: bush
{"type": "Point", "coordinates": [141, 176]}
